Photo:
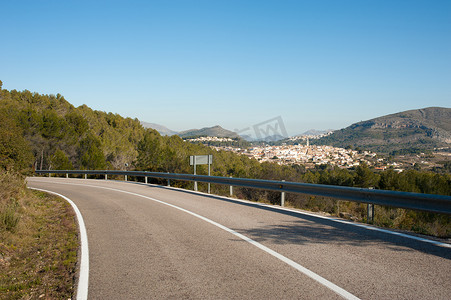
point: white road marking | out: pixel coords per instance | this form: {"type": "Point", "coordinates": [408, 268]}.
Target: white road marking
{"type": "Point", "coordinates": [338, 290]}
{"type": "Point", "coordinates": [83, 280]}
{"type": "Point", "coordinates": [368, 227]}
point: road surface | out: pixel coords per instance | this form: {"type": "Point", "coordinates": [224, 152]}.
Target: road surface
{"type": "Point", "coordinates": [152, 242]}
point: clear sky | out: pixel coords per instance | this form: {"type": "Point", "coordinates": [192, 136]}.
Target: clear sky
{"type": "Point", "coordinates": [191, 64]}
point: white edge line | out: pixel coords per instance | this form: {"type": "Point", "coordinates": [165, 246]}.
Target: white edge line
{"type": "Point", "coordinates": [338, 290]}
{"type": "Point", "coordinates": [365, 226]}
{"type": "Point", "coordinates": [83, 280]}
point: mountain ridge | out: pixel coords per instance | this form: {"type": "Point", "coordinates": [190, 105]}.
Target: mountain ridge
{"type": "Point", "coordinates": [163, 130]}
{"type": "Point", "coordinates": [425, 128]}
{"type": "Point", "coordinates": [216, 130]}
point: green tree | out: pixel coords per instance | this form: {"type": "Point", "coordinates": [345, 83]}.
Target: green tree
{"type": "Point", "coordinates": [53, 126]}
{"type": "Point", "coordinates": [60, 161]}
{"type": "Point", "coordinates": [389, 180]}
{"type": "Point", "coordinates": [149, 152]}
{"type": "Point", "coordinates": [90, 153]}
{"type": "Point", "coordinates": [339, 176]}
{"type": "Point", "coordinates": [77, 122]}
{"type": "Point", "coordinates": [15, 153]}
{"type": "Point", "coordinates": [364, 177]}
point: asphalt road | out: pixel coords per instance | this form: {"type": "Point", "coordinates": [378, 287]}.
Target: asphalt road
{"type": "Point", "coordinates": [151, 242]}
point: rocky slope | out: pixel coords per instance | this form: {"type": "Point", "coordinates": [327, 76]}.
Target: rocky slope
{"type": "Point", "coordinates": [421, 129]}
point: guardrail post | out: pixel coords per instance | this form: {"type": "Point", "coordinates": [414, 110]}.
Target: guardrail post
{"type": "Point", "coordinates": [86, 176]}
{"type": "Point", "coordinates": [106, 176]}
{"type": "Point", "coordinates": [195, 182]}
{"type": "Point", "coordinates": [125, 177]}
{"type": "Point", "coordinates": [370, 213]}
{"type": "Point", "coordinates": [282, 198]}
{"type": "Point", "coordinates": [145, 179]}
{"type": "Point", "coordinates": [67, 175]}
{"type": "Point", "coordinates": [209, 174]}
{"type": "Point", "coordinates": [231, 189]}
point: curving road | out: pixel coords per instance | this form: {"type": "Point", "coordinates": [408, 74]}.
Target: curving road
{"type": "Point", "coordinates": [152, 242]}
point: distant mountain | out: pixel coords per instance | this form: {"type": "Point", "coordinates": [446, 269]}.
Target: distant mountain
{"type": "Point", "coordinates": [160, 128]}
{"type": "Point", "coordinates": [419, 129]}
{"type": "Point", "coordinates": [271, 138]}
{"type": "Point", "coordinates": [316, 132]}
{"type": "Point", "coordinates": [217, 131]}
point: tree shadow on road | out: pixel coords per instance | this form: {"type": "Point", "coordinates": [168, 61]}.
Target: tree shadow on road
{"type": "Point", "coordinates": [309, 229]}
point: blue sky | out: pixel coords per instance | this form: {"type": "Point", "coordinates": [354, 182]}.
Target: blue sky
{"type": "Point", "coordinates": [191, 64]}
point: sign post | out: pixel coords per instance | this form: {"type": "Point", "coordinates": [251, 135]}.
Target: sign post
{"type": "Point", "coordinates": [195, 160]}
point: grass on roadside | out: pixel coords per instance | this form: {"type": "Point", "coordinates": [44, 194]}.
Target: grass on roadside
{"type": "Point", "coordinates": [38, 243]}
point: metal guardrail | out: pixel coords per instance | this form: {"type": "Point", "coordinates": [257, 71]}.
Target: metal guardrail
{"type": "Point", "coordinates": [416, 201]}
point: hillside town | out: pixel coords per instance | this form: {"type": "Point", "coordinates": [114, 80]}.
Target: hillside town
{"type": "Point", "coordinates": [314, 136]}
{"type": "Point", "coordinates": [298, 150]}
{"type": "Point", "coordinates": [203, 139]}
{"type": "Point", "coordinates": [307, 155]}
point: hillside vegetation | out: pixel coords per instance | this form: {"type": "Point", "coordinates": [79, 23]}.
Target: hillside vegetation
{"type": "Point", "coordinates": [38, 232]}
{"type": "Point", "coordinates": [61, 136]}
